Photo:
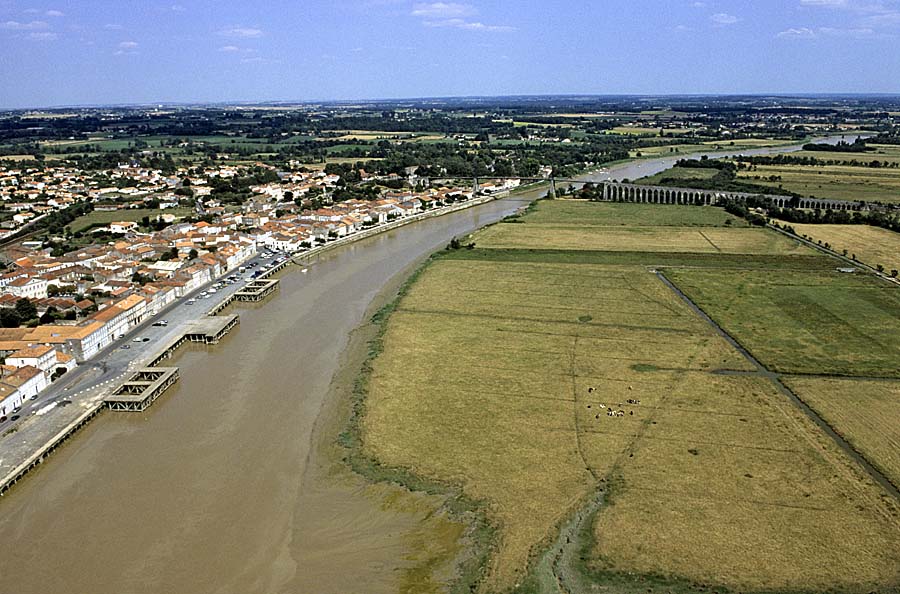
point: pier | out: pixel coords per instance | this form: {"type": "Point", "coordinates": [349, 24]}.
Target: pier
{"type": "Point", "coordinates": [208, 330]}
{"type": "Point", "coordinates": [257, 289]}
{"type": "Point", "coordinates": [142, 389]}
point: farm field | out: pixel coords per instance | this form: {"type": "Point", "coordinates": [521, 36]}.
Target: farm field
{"type": "Point", "coordinates": [511, 396]}
{"type": "Point", "coordinates": [728, 477]}
{"type": "Point", "coordinates": [498, 367]}
{"type": "Point", "coordinates": [865, 412]}
{"type": "Point", "coordinates": [580, 213]}
{"type": "Point", "coordinates": [677, 173]}
{"type": "Point", "coordinates": [830, 182]}
{"type": "Point", "coordinates": [650, 239]}
{"type": "Point", "coordinates": [104, 217]}
{"type": "Point", "coordinates": [804, 322]}
{"type": "Point", "coordinates": [872, 245]}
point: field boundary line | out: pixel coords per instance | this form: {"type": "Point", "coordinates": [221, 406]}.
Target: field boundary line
{"type": "Point", "coordinates": [775, 378]}
{"type": "Point", "coordinates": [710, 242]}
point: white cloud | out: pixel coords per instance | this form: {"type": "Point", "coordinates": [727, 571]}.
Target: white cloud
{"type": "Point", "coordinates": [17, 26]}
{"type": "Point", "coordinates": [54, 13]}
{"type": "Point", "coordinates": [177, 8]}
{"type": "Point", "coordinates": [112, 27]}
{"type": "Point", "coordinates": [128, 45]}
{"type": "Point", "coordinates": [797, 33]}
{"type": "Point", "coordinates": [807, 33]}
{"type": "Point", "coordinates": [721, 18]}
{"type": "Point", "coordinates": [443, 10]}
{"type": "Point", "coordinates": [229, 48]}
{"type": "Point", "coordinates": [241, 32]}
{"type": "Point", "coordinates": [470, 25]}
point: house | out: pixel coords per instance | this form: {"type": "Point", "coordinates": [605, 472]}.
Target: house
{"type": "Point", "coordinates": [28, 381]}
{"type": "Point", "coordinates": [123, 227]}
{"type": "Point", "coordinates": [10, 399]}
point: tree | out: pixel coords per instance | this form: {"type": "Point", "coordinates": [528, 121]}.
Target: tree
{"type": "Point", "coordinates": [879, 268]}
{"type": "Point", "coordinates": [894, 273]}
{"type": "Point", "coordinates": [9, 318]}
{"type": "Point", "coordinates": [25, 309]}
{"type": "Point", "coordinates": [192, 254]}
{"type": "Point", "coordinates": [48, 317]}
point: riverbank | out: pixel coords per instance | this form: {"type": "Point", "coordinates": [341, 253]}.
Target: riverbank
{"type": "Point", "coordinates": [35, 443]}
{"type": "Point", "coordinates": [350, 388]}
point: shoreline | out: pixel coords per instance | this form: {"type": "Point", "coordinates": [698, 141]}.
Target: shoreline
{"type": "Point", "coordinates": [349, 389]}
{"type": "Point", "coordinates": [66, 427]}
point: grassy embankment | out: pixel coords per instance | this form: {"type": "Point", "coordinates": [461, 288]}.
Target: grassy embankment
{"type": "Point", "coordinates": [499, 366]}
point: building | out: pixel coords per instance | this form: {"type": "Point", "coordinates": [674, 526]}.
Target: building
{"type": "Point", "coordinates": [123, 227]}
{"type": "Point", "coordinates": [29, 288]}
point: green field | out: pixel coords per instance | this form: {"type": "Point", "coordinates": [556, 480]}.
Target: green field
{"type": "Point", "coordinates": [677, 173]}
{"type": "Point", "coordinates": [579, 213]}
{"type": "Point", "coordinates": [499, 365]}
{"type": "Point", "coordinates": [99, 218]}
{"type": "Point", "coordinates": [606, 226]}
{"type": "Point", "coordinates": [838, 181]}
{"type": "Point", "coordinates": [822, 322]}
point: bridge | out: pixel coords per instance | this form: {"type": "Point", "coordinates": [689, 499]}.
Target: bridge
{"type": "Point", "coordinates": [621, 192]}
{"type": "Point", "coordinates": [612, 191]}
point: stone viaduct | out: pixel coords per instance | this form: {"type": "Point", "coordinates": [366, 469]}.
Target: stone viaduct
{"type": "Point", "coordinates": [622, 192]}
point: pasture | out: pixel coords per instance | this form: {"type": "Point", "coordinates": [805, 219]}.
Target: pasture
{"type": "Point", "coordinates": [804, 322]}
{"type": "Point", "coordinates": [483, 378]}
{"type": "Point", "coordinates": [636, 239]}
{"type": "Point", "coordinates": [498, 370]}
{"type": "Point", "coordinates": [728, 483]}
{"type": "Point", "coordinates": [865, 412]}
{"type": "Point", "coordinates": [871, 245]}
{"type": "Point", "coordinates": [830, 182]}
{"type": "Point", "coordinates": [580, 214]}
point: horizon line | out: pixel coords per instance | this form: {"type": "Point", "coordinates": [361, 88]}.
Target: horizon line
{"type": "Point", "coordinates": [292, 102]}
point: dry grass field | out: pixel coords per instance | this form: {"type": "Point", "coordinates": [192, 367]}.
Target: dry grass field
{"type": "Point", "coordinates": [640, 239]}
{"type": "Point", "coordinates": [498, 376]}
{"type": "Point", "coordinates": [872, 245]}
{"type": "Point", "coordinates": [865, 412]}
{"type": "Point", "coordinates": [727, 482]}
{"type": "Point", "coordinates": [484, 375]}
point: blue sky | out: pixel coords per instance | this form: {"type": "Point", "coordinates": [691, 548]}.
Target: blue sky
{"type": "Point", "coordinates": [59, 52]}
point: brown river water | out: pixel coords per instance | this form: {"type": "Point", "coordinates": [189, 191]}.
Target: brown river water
{"type": "Point", "coordinates": [230, 482]}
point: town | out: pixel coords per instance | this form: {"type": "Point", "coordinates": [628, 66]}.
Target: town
{"type": "Point", "coordinates": [61, 306]}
